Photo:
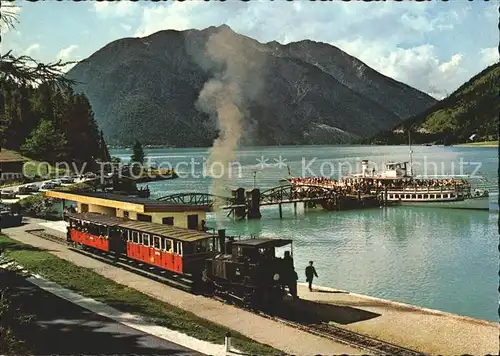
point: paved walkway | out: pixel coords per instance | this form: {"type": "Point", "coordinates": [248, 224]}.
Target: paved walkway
{"type": "Point", "coordinates": [64, 328]}
{"type": "Point", "coordinates": [425, 330]}
{"type": "Point", "coordinates": [265, 331]}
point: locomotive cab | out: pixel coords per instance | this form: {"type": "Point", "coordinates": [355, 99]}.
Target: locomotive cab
{"type": "Point", "coordinates": [250, 270]}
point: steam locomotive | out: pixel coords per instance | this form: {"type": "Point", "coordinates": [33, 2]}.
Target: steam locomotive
{"type": "Point", "coordinates": [245, 269]}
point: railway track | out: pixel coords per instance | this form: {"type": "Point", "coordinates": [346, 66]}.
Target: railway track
{"type": "Point", "coordinates": [363, 342]}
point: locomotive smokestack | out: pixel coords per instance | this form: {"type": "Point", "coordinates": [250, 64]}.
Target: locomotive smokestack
{"type": "Point", "coordinates": [222, 240]}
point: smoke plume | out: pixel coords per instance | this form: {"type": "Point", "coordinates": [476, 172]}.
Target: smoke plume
{"type": "Point", "coordinates": [225, 97]}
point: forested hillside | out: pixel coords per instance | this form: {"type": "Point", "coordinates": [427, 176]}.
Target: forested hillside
{"type": "Point", "coordinates": [472, 109]}
{"type": "Point", "coordinates": [49, 123]}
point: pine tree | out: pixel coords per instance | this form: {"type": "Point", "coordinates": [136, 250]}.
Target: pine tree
{"type": "Point", "coordinates": [106, 157]}
{"type": "Point", "coordinates": [137, 153]}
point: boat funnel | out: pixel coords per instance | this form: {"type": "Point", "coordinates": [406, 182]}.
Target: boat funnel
{"type": "Point", "coordinates": [364, 167]}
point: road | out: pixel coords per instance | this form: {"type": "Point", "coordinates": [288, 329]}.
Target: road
{"type": "Point", "coordinates": [38, 184]}
{"type": "Point", "coordinates": [63, 328]}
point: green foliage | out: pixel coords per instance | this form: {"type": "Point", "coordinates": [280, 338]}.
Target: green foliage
{"type": "Point", "coordinates": [45, 142]}
{"type": "Point", "coordinates": [47, 112]}
{"type": "Point", "coordinates": [78, 187]}
{"type": "Point", "coordinates": [115, 159]}
{"type": "Point", "coordinates": [37, 206]}
{"type": "Point", "coordinates": [137, 153]}
{"type": "Point", "coordinates": [91, 284]}
{"type": "Point", "coordinates": [471, 109]}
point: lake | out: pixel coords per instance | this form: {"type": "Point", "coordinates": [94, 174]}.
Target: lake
{"type": "Point", "coordinates": [435, 258]}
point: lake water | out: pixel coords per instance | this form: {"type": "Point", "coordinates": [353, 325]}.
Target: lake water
{"type": "Point", "coordinates": [435, 258]}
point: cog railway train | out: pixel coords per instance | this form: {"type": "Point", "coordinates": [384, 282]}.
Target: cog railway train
{"type": "Point", "coordinates": [245, 269]}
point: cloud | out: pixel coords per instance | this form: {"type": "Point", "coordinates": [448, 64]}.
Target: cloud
{"type": "Point", "coordinates": [115, 9]}
{"type": "Point", "coordinates": [417, 66]}
{"type": "Point", "coordinates": [67, 55]}
{"type": "Point", "coordinates": [401, 40]}
{"type": "Point", "coordinates": [489, 55]}
{"type": "Point", "coordinates": [32, 50]}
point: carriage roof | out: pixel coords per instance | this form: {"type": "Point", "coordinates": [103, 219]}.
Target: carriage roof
{"type": "Point", "coordinates": [262, 242]}
{"type": "Point", "coordinates": [177, 233]}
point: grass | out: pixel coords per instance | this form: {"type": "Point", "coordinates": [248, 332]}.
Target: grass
{"type": "Point", "coordinates": [481, 144]}
{"type": "Point", "coordinates": [90, 284]}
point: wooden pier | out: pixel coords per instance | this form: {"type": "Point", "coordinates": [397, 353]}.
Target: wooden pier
{"type": "Point", "coordinates": [247, 203]}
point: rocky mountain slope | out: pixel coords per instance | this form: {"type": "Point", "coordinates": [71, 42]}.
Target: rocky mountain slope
{"type": "Point", "coordinates": [470, 110]}
{"type": "Point", "coordinates": [300, 93]}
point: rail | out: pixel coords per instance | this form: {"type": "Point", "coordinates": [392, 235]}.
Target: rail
{"type": "Point", "coordinates": [348, 337]}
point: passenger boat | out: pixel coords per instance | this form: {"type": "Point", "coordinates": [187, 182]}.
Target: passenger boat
{"type": "Point", "coordinates": [397, 185]}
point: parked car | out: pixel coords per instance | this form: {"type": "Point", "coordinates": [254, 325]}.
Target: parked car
{"type": "Point", "coordinates": [27, 189]}
{"type": "Point", "coordinates": [32, 188]}
{"type": "Point", "coordinates": [90, 175]}
{"type": "Point", "coordinates": [48, 185]}
{"type": "Point", "coordinates": [8, 194]}
{"type": "Point", "coordinates": [67, 180]}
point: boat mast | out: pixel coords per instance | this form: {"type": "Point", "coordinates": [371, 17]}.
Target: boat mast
{"type": "Point", "coordinates": [411, 152]}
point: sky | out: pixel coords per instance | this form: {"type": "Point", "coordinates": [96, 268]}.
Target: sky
{"type": "Point", "coordinates": [433, 46]}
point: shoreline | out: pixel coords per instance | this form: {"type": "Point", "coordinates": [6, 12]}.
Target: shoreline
{"type": "Point", "coordinates": [406, 305]}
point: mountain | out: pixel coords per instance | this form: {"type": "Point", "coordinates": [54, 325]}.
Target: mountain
{"type": "Point", "coordinates": [470, 110]}
{"type": "Point", "coordinates": [300, 93]}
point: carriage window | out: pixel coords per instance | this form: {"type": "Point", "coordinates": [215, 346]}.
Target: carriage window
{"type": "Point", "coordinates": [407, 196]}
{"type": "Point", "coordinates": [452, 195]}
{"type": "Point", "coordinates": [419, 196]}
{"type": "Point", "coordinates": [145, 239]}
{"type": "Point", "coordinates": [413, 196]}
{"type": "Point", "coordinates": [156, 242]}
{"type": "Point", "coordinates": [167, 244]}
{"type": "Point", "coordinates": [426, 196]}
{"type": "Point", "coordinates": [135, 237]}
{"type": "Point", "coordinates": [438, 196]}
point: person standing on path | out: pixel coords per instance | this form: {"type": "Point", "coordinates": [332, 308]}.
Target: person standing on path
{"type": "Point", "coordinates": [310, 274]}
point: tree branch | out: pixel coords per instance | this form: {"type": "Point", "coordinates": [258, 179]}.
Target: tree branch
{"type": "Point", "coordinates": [26, 71]}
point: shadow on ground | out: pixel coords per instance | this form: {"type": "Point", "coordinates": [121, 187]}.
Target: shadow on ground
{"type": "Point", "coordinates": [316, 313]}
{"type": "Point", "coordinates": [60, 327]}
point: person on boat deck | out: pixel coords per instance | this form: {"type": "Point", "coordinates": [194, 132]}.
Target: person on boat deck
{"type": "Point", "coordinates": [310, 274]}
{"type": "Point", "coordinates": [204, 225]}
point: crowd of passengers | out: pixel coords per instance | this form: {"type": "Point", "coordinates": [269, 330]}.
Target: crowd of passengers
{"type": "Point", "coordinates": [365, 185]}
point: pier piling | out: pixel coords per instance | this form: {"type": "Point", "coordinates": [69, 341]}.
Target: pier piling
{"type": "Point", "coordinates": [253, 198]}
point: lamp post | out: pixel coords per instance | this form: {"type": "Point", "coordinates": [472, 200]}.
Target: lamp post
{"type": "Point", "coordinates": [254, 178]}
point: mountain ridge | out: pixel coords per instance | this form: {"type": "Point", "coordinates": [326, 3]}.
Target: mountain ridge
{"type": "Point", "coordinates": [472, 109]}
{"type": "Point", "coordinates": [141, 88]}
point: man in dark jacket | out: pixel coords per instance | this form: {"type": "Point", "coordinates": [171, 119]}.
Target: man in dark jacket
{"type": "Point", "coordinates": [310, 274]}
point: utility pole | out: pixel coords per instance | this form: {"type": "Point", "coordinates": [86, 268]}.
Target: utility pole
{"type": "Point", "coordinates": [254, 177]}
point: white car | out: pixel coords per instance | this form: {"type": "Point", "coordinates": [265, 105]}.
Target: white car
{"type": "Point", "coordinates": [8, 194]}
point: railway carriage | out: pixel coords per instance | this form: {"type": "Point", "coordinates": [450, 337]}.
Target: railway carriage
{"type": "Point", "coordinates": [171, 248]}
{"type": "Point", "coordinates": [247, 269]}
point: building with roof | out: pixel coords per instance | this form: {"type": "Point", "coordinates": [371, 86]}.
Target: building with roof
{"type": "Point", "coordinates": [11, 165]}
{"type": "Point", "coordinates": [133, 208]}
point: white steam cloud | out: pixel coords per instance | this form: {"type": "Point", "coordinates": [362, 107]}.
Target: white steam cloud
{"type": "Point", "coordinates": [223, 97]}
